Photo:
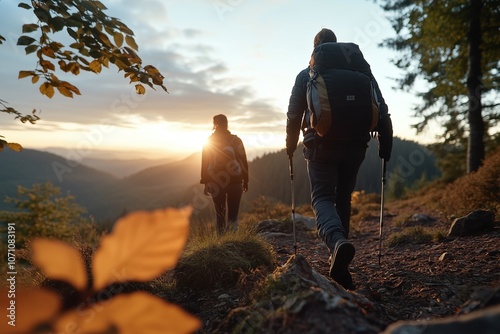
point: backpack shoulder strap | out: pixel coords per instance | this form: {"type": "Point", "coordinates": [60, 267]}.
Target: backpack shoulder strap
{"type": "Point", "coordinates": [233, 140]}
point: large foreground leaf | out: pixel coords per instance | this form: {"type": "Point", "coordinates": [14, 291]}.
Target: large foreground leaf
{"type": "Point", "coordinates": [141, 246]}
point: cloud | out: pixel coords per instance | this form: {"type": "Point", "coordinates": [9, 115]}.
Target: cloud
{"type": "Point", "coordinates": [199, 81]}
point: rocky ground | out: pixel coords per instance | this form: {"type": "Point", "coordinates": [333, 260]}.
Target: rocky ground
{"type": "Point", "coordinates": [412, 282]}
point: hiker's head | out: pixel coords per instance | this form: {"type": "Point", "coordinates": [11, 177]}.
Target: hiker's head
{"type": "Point", "coordinates": [220, 122]}
{"type": "Point", "coordinates": [324, 36]}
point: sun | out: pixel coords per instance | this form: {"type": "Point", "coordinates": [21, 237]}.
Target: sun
{"type": "Point", "coordinates": [173, 137]}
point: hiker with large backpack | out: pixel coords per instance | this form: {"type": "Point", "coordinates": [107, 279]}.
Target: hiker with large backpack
{"type": "Point", "coordinates": [337, 104]}
{"type": "Point", "coordinates": [224, 172]}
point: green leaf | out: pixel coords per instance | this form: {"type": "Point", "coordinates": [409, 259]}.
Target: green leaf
{"type": "Point", "coordinates": [25, 40]}
{"type": "Point", "coordinates": [123, 28]}
{"type": "Point", "coordinates": [73, 23]}
{"type": "Point", "coordinates": [58, 23]}
{"type": "Point", "coordinates": [99, 5]}
{"type": "Point", "coordinates": [24, 5]}
{"type": "Point", "coordinates": [88, 5]}
{"type": "Point", "coordinates": [42, 14]}
{"type": "Point", "coordinates": [31, 48]}
{"type": "Point", "coordinates": [72, 33]}
{"type": "Point", "coordinates": [29, 27]}
{"type": "Point", "coordinates": [95, 53]}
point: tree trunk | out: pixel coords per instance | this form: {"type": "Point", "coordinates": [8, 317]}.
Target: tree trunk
{"type": "Point", "coordinates": [475, 148]}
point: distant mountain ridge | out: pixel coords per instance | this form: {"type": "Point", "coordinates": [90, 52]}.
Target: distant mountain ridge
{"type": "Point", "coordinates": [31, 166]}
{"type": "Point", "coordinates": [123, 167]}
{"type": "Point", "coordinates": [176, 183]}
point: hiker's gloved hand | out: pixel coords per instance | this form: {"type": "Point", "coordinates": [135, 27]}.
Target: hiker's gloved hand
{"type": "Point", "coordinates": [385, 134]}
{"type": "Point", "coordinates": [291, 143]}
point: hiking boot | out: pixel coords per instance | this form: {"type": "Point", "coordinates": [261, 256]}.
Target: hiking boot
{"type": "Point", "coordinates": [339, 263]}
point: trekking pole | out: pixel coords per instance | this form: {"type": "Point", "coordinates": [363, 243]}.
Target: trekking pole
{"type": "Point", "coordinates": [381, 213]}
{"type": "Point", "coordinates": [293, 204]}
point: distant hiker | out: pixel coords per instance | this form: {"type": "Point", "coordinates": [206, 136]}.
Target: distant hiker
{"type": "Point", "coordinates": [336, 102]}
{"type": "Point", "coordinates": [224, 172]}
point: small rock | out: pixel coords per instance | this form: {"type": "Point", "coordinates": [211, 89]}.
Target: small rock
{"type": "Point", "coordinates": [308, 222]}
{"type": "Point", "coordinates": [483, 321]}
{"type": "Point", "coordinates": [223, 296]}
{"type": "Point", "coordinates": [272, 235]}
{"type": "Point", "coordinates": [420, 218]}
{"type": "Point", "coordinates": [474, 222]}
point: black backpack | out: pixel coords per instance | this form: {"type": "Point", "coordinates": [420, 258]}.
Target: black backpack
{"type": "Point", "coordinates": [342, 102]}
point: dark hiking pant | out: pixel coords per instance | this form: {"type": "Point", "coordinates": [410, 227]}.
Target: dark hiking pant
{"type": "Point", "coordinates": [332, 175]}
{"type": "Point", "coordinates": [228, 197]}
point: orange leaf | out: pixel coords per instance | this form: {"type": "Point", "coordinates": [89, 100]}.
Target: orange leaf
{"type": "Point", "coordinates": [47, 89]}
{"type": "Point", "coordinates": [15, 147]}
{"type": "Point", "coordinates": [138, 312]}
{"type": "Point", "coordinates": [95, 66]}
{"type": "Point", "coordinates": [30, 307]}
{"type": "Point", "coordinates": [131, 42]}
{"type": "Point", "coordinates": [24, 74]}
{"type": "Point", "coordinates": [70, 87]}
{"type": "Point", "coordinates": [140, 89]}
{"type": "Point", "coordinates": [142, 245]}
{"type": "Point", "coordinates": [64, 91]}
{"type": "Point", "coordinates": [60, 261]}
{"type": "Point", "coordinates": [118, 37]}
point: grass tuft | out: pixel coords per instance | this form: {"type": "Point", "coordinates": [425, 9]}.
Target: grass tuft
{"type": "Point", "coordinates": [210, 262]}
{"type": "Point", "coordinates": [415, 235]}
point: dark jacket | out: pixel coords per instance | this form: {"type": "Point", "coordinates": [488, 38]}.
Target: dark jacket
{"type": "Point", "coordinates": [298, 102]}
{"type": "Point", "coordinates": [216, 141]}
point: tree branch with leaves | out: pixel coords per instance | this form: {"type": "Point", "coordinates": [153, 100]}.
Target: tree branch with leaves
{"type": "Point", "coordinates": [98, 41]}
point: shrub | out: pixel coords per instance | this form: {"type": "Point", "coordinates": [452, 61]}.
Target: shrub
{"type": "Point", "coordinates": [415, 235]}
{"type": "Point", "coordinates": [478, 190]}
{"type": "Point", "coordinates": [43, 212]}
{"type": "Point", "coordinates": [213, 261]}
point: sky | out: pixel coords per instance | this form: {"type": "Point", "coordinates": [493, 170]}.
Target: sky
{"type": "Point", "coordinates": [236, 57]}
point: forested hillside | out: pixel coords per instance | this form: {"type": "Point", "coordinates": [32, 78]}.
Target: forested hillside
{"type": "Point", "coordinates": [176, 184]}
{"type": "Point", "coordinates": [410, 164]}
{"type": "Point", "coordinates": [28, 167]}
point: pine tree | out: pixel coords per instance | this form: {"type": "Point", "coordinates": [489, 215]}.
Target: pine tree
{"type": "Point", "coordinates": [452, 48]}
